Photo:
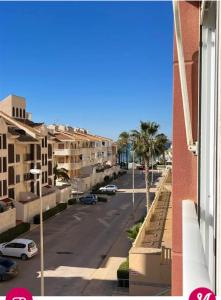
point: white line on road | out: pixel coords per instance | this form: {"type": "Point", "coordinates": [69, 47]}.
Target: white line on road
{"type": "Point", "coordinates": [77, 218]}
{"type": "Point", "coordinates": [103, 222]}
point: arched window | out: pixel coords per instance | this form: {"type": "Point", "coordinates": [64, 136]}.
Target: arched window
{"type": "Point", "coordinates": [20, 113]}
{"type": "Point", "coordinates": [13, 111]}
{"type": "Point", "coordinates": [17, 113]}
{"type": "Point", "coordinates": [72, 146]}
{"type": "Point", "coordinates": [24, 113]}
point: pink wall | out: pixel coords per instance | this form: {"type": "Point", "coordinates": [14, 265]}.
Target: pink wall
{"type": "Point", "coordinates": [184, 162]}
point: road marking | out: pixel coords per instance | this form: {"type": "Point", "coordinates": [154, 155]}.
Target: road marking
{"type": "Point", "coordinates": [103, 222]}
{"type": "Point", "coordinates": [77, 218]}
{"type": "Point", "coordinates": [125, 206]}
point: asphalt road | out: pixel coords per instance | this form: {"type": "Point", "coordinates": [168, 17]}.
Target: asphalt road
{"type": "Point", "coordinates": [78, 241]}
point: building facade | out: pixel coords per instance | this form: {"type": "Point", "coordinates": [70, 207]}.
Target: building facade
{"type": "Point", "coordinates": [24, 145]}
{"type": "Point", "coordinates": [87, 158]}
{"type": "Point", "coordinates": [196, 147]}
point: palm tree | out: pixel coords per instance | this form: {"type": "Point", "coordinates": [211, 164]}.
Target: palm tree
{"type": "Point", "coordinates": [147, 143]}
{"type": "Point", "coordinates": [60, 173]}
{"type": "Point", "coordinates": [123, 143]}
{"type": "Point", "coordinates": [161, 145]}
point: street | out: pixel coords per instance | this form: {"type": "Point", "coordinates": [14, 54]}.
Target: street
{"type": "Point", "coordinates": [84, 245]}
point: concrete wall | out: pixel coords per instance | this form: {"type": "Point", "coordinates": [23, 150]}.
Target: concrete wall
{"type": "Point", "coordinates": [63, 195]}
{"type": "Point", "coordinates": [148, 274]}
{"type": "Point", "coordinates": [86, 183]}
{"type": "Point", "coordinates": [26, 212]}
{"type": "Point", "coordinates": [184, 162]}
{"type": "Point", "coordinates": [7, 219]}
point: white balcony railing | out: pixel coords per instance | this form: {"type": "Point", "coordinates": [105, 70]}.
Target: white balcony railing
{"type": "Point", "coordinates": [195, 271]}
{"type": "Point", "coordinates": [67, 152]}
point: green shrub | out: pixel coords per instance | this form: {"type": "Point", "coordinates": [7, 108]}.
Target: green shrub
{"type": "Point", "coordinates": [123, 274]}
{"type": "Point", "coordinates": [62, 206]}
{"type": "Point", "coordinates": [132, 232]}
{"type": "Point", "coordinates": [12, 233]}
{"type": "Point", "coordinates": [49, 213]}
{"type": "Point", "coordinates": [101, 199]}
{"type": "Point", "coordinates": [123, 270]}
{"type": "Point", "coordinates": [106, 179]}
{"type": "Point", "coordinates": [72, 201]}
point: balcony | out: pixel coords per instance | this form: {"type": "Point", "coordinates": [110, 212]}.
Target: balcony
{"type": "Point", "coordinates": [195, 270]}
{"type": "Point", "coordinates": [70, 166]}
{"type": "Point", "coordinates": [28, 157]}
{"type": "Point", "coordinates": [67, 152]}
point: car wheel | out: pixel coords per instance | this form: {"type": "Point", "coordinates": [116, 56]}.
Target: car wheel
{"type": "Point", "coordinates": [24, 257]}
{"type": "Point", "coordinates": [4, 277]}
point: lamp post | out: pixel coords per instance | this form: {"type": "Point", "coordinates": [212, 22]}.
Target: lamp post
{"type": "Point", "coordinates": [39, 172]}
{"type": "Point", "coordinates": [133, 180]}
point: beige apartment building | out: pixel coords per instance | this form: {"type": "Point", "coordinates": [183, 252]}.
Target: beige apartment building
{"type": "Point", "coordinates": [88, 158]}
{"type": "Point", "coordinates": [24, 145]}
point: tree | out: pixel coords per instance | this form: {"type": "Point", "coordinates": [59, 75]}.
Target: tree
{"type": "Point", "coordinates": [60, 173]}
{"type": "Point", "coordinates": [160, 146]}
{"type": "Point", "coordinates": [123, 143]}
{"type": "Point", "coordinates": [147, 143]}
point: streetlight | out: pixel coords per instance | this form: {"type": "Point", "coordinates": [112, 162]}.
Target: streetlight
{"type": "Point", "coordinates": [133, 159]}
{"type": "Point", "coordinates": [39, 172]}
{"type": "Point", "coordinates": [133, 180]}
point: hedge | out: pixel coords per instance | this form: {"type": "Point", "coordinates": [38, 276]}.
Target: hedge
{"type": "Point", "coordinates": [132, 232]}
{"type": "Point", "coordinates": [123, 274]}
{"type": "Point", "coordinates": [72, 201]}
{"type": "Point", "coordinates": [12, 233]}
{"type": "Point", "coordinates": [49, 213]}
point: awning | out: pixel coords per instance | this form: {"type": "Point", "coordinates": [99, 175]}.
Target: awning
{"type": "Point", "coordinates": [182, 71]}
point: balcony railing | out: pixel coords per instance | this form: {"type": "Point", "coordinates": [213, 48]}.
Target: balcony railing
{"type": "Point", "coordinates": [195, 271]}
{"type": "Point", "coordinates": [67, 152]}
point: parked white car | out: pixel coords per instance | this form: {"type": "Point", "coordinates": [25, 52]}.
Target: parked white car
{"type": "Point", "coordinates": [109, 188]}
{"type": "Point", "coordinates": [22, 248]}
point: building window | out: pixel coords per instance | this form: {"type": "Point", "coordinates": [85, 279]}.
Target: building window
{"type": "Point", "coordinates": [43, 143]}
{"type": "Point", "coordinates": [38, 188]}
{"type": "Point", "coordinates": [208, 140]}
{"type": "Point", "coordinates": [46, 142]}
{"type": "Point", "coordinates": [24, 113]}
{"type": "Point", "coordinates": [49, 151]}
{"type": "Point", "coordinates": [50, 169]}
{"type": "Point", "coordinates": [4, 146]}
{"type": "Point", "coordinates": [11, 176]}
{"type": "Point", "coordinates": [20, 113]}
{"type": "Point", "coordinates": [4, 187]}
{"type": "Point", "coordinates": [17, 178]}
{"type": "Point", "coordinates": [17, 158]}
{"type": "Point", "coordinates": [11, 153]}
{"type": "Point", "coordinates": [4, 164]}
{"type": "Point", "coordinates": [42, 159]}
{"type": "Point", "coordinates": [60, 146]}
{"type": "Point", "coordinates": [32, 187]}
{"type": "Point", "coordinates": [38, 152]}
{"type": "Point", "coordinates": [13, 111]}
{"type": "Point", "coordinates": [11, 193]}
{"type": "Point", "coordinates": [17, 115]}
{"type": "Point", "coordinates": [0, 189]}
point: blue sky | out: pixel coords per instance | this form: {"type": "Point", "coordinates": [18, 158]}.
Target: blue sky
{"type": "Point", "coordinates": [103, 66]}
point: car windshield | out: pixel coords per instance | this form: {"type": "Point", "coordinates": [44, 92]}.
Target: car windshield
{"type": "Point", "coordinates": [6, 263]}
{"type": "Point", "coordinates": [31, 245]}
